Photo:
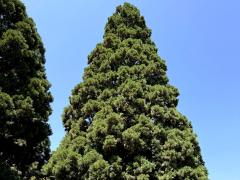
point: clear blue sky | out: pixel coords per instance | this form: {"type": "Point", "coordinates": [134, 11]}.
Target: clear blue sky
{"type": "Point", "coordinates": [200, 41]}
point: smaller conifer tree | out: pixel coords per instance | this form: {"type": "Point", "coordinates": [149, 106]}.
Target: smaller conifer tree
{"type": "Point", "coordinates": [24, 93]}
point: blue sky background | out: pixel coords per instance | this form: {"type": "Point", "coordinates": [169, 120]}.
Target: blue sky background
{"type": "Point", "coordinates": [200, 41]}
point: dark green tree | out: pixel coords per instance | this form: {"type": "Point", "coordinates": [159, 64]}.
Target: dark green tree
{"type": "Point", "coordinates": [122, 121]}
{"type": "Point", "coordinates": [24, 93]}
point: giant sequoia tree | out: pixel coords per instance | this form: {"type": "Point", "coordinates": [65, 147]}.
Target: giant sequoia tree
{"type": "Point", "coordinates": [24, 93]}
{"type": "Point", "coordinates": [122, 121]}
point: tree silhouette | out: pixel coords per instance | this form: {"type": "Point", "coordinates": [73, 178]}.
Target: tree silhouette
{"type": "Point", "coordinates": [24, 92]}
{"type": "Point", "coordinates": [122, 121]}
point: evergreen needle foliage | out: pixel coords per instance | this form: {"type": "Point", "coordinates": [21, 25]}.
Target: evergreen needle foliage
{"type": "Point", "coordinates": [122, 121]}
{"type": "Point", "coordinates": [24, 94]}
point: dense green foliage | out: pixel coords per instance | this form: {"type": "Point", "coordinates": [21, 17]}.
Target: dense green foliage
{"type": "Point", "coordinates": [24, 93]}
{"type": "Point", "coordinates": [122, 121]}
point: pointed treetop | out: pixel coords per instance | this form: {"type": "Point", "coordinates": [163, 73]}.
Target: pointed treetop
{"type": "Point", "coordinates": [127, 22]}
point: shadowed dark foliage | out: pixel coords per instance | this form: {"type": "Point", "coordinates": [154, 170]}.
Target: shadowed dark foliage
{"type": "Point", "coordinates": [24, 93]}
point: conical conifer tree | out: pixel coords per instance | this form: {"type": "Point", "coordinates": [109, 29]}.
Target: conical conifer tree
{"type": "Point", "coordinates": [122, 121]}
{"type": "Point", "coordinates": [24, 93]}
